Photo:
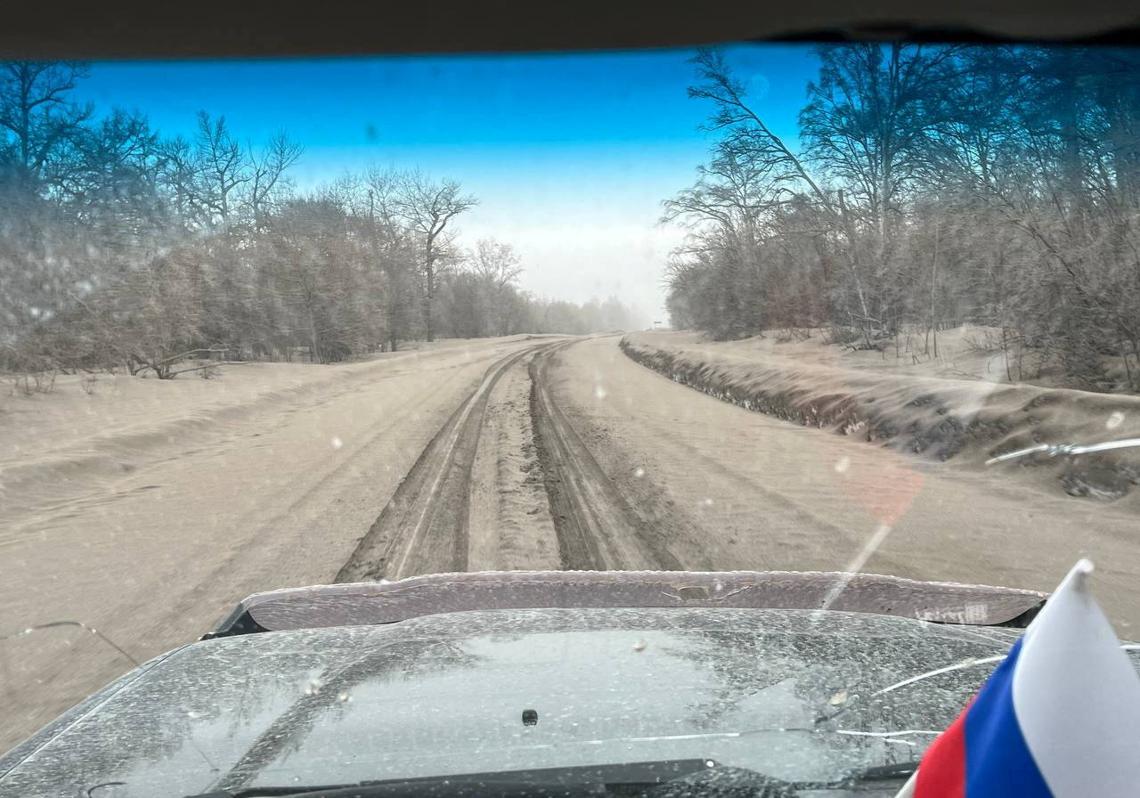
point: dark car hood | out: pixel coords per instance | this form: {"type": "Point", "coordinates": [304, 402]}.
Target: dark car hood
{"type": "Point", "coordinates": [445, 694]}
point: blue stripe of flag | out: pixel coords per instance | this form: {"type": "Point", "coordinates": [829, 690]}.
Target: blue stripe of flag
{"type": "Point", "coordinates": [998, 762]}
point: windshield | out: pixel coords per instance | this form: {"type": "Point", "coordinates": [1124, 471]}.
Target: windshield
{"type": "Point", "coordinates": [844, 308]}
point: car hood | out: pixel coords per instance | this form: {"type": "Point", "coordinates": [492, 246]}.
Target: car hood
{"type": "Point", "coordinates": [785, 692]}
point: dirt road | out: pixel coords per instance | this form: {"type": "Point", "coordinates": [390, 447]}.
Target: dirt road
{"type": "Point", "coordinates": [760, 493]}
{"type": "Point", "coordinates": [513, 453]}
{"type": "Point", "coordinates": [169, 522]}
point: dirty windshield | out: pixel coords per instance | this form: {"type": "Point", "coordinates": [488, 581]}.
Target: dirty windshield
{"type": "Point", "coordinates": [860, 308]}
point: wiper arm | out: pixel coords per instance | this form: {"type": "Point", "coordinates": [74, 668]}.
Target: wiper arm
{"type": "Point", "coordinates": [546, 781]}
{"type": "Point", "coordinates": [740, 781]}
{"type": "Point", "coordinates": [648, 779]}
{"type": "Point", "coordinates": [894, 772]}
{"type": "Point", "coordinates": [1058, 449]}
{"type": "Point", "coordinates": [267, 792]}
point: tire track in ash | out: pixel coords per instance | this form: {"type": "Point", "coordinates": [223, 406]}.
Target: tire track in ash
{"type": "Point", "coordinates": [597, 525]}
{"type": "Point", "coordinates": [423, 528]}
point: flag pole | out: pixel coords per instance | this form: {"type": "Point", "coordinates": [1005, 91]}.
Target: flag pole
{"type": "Point", "coordinates": [908, 789]}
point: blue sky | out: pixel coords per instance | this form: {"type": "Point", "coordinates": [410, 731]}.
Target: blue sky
{"type": "Point", "coordinates": [570, 155]}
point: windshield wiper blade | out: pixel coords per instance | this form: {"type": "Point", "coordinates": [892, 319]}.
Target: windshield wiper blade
{"type": "Point", "coordinates": [552, 781]}
{"type": "Point", "coordinates": [1058, 449]}
{"type": "Point", "coordinates": [267, 792]}
{"type": "Point", "coordinates": [893, 772]}
{"type": "Point", "coordinates": [655, 778]}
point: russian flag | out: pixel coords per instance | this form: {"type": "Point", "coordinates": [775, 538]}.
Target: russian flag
{"type": "Point", "coordinates": [1059, 717]}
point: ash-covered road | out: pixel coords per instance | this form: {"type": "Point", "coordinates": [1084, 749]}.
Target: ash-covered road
{"type": "Point", "coordinates": [535, 453]}
{"type": "Point", "coordinates": [639, 472]}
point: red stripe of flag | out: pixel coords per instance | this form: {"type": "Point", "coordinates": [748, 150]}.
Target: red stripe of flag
{"type": "Point", "coordinates": [943, 770]}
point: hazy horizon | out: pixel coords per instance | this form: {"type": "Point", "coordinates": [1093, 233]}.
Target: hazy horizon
{"type": "Point", "coordinates": [569, 155]}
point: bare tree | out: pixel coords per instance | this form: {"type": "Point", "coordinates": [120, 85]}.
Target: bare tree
{"type": "Point", "coordinates": [951, 184]}
{"type": "Point", "coordinates": [121, 246]}
{"type": "Point", "coordinates": [222, 167]}
{"type": "Point", "coordinates": [497, 265]}
{"type": "Point", "coordinates": [427, 207]}
{"type": "Point", "coordinates": [750, 137]}
{"type": "Point", "coordinates": [36, 111]}
{"type": "Point", "coordinates": [267, 171]}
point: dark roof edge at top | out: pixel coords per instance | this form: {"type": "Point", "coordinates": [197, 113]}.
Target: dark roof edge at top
{"type": "Point", "coordinates": [131, 29]}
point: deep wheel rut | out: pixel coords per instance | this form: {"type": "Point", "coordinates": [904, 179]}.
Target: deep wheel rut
{"type": "Point", "coordinates": [598, 526]}
{"type": "Point", "coordinates": [423, 528]}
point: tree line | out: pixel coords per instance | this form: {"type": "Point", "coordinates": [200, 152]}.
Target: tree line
{"type": "Point", "coordinates": [932, 186]}
{"type": "Point", "coordinates": [120, 246]}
